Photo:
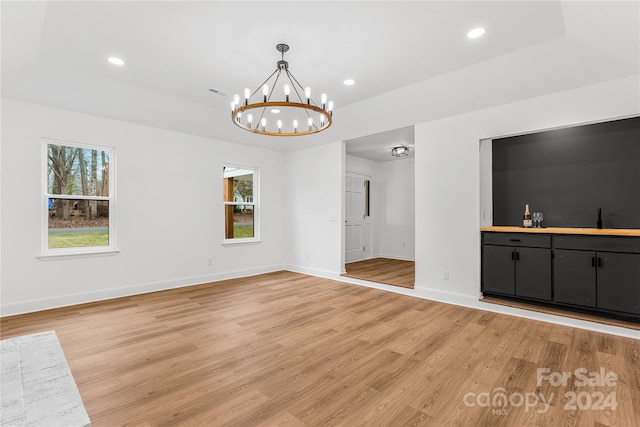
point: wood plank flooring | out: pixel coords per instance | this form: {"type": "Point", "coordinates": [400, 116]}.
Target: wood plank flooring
{"type": "Point", "coordinates": [293, 350]}
{"type": "Point", "coordinates": [384, 270]}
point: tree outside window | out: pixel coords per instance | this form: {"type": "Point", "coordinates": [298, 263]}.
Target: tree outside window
{"type": "Point", "coordinates": [78, 197]}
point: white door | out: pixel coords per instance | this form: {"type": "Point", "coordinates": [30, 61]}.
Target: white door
{"type": "Point", "coordinates": [354, 217]}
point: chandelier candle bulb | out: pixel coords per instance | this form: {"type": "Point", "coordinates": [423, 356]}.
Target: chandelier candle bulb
{"type": "Point", "coordinates": [247, 95]}
{"type": "Point", "coordinates": [295, 126]}
{"type": "Point", "coordinates": [279, 122]}
{"type": "Point", "coordinates": [287, 91]}
{"type": "Point", "coordinates": [323, 100]}
{"type": "Point", "coordinates": [265, 92]}
{"type": "Point", "coordinates": [310, 123]}
{"type": "Point", "coordinates": [330, 108]}
{"type": "Point", "coordinates": [249, 119]}
{"type": "Point", "coordinates": [307, 94]}
{"type": "Point", "coordinates": [263, 122]}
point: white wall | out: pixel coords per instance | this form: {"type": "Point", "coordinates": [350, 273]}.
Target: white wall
{"type": "Point", "coordinates": [395, 189]}
{"type": "Point", "coordinates": [315, 194]}
{"type": "Point", "coordinates": [361, 166]}
{"type": "Point", "coordinates": [169, 211]}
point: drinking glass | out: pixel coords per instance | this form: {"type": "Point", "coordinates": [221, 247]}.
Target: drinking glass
{"type": "Point", "coordinates": [540, 218]}
{"type": "Point", "coordinates": [535, 216]}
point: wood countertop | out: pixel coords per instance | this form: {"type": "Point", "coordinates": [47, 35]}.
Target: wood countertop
{"type": "Point", "coordinates": [558, 230]}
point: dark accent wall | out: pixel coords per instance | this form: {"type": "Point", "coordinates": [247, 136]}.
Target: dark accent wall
{"type": "Point", "coordinates": [567, 174]}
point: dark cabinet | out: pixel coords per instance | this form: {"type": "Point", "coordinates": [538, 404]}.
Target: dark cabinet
{"type": "Point", "coordinates": [498, 269]}
{"type": "Point", "coordinates": [599, 272]}
{"type": "Point", "coordinates": [533, 273]}
{"type": "Point", "coordinates": [510, 268]}
{"type": "Point", "coordinates": [574, 277]}
{"type": "Point", "coordinates": [618, 281]}
{"type": "Point", "coordinates": [606, 280]}
{"type": "Point", "coordinates": [594, 274]}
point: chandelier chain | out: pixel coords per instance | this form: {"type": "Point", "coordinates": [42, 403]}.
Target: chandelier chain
{"type": "Point", "coordinates": [264, 109]}
{"type": "Point", "coordinates": [291, 76]}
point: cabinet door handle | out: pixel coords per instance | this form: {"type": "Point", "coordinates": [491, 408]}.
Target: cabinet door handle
{"type": "Point", "coordinates": [514, 240]}
{"type": "Point", "coordinates": [599, 262]}
{"type": "Point", "coordinates": [513, 255]}
{"type": "Point", "coordinates": [517, 256]}
{"type": "Point", "coordinates": [593, 261]}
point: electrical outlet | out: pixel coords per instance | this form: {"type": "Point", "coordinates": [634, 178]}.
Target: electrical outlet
{"type": "Point", "coordinates": [445, 275]}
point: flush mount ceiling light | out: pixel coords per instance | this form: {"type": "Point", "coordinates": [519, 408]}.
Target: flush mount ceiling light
{"type": "Point", "coordinates": [401, 151]}
{"type": "Point", "coordinates": [299, 110]}
{"type": "Point", "coordinates": [349, 82]}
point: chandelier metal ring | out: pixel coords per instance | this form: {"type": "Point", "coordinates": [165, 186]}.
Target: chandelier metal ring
{"type": "Point", "coordinates": [273, 104]}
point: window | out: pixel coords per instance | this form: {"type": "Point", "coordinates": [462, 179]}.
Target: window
{"type": "Point", "coordinates": [241, 220]}
{"type": "Point", "coordinates": [78, 199]}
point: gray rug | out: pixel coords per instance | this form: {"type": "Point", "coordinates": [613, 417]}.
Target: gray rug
{"type": "Point", "coordinates": [37, 386]}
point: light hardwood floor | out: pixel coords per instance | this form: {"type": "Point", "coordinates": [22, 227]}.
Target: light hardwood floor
{"type": "Point", "coordinates": [383, 270]}
{"type": "Point", "coordinates": [289, 349]}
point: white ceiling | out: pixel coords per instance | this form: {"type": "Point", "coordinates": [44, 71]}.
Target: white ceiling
{"type": "Point", "coordinates": [54, 53]}
{"type": "Point", "coordinates": [377, 147]}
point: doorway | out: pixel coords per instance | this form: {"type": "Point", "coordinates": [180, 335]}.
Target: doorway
{"type": "Point", "coordinates": [379, 229]}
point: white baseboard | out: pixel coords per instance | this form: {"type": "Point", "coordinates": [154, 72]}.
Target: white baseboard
{"type": "Point", "coordinates": [39, 304]}
{"type": "Point", "coordinates": [398, 257]}
{"type": "Point", "coordinates": [326, 274]}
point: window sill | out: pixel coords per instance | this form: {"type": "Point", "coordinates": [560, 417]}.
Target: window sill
{"type": "Point", "coordinates": [76, 255]}
{"type": "Point", "coordinates": [236, 242]}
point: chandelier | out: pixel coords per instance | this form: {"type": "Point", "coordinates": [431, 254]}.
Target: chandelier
{"type": "Point", "coordinates": [297, 115]}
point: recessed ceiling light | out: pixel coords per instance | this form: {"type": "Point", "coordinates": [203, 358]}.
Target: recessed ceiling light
{"type": "Point", "coordinates": [349, 82]}
{"type": "Point", "coordinates": [115, 61]}
{"type": "Point", "coordinates": [475, 33]}
{"type": "Point", "coordinates": [275, 111]}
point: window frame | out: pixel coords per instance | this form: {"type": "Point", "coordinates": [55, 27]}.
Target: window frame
{"type": "Point", "coordinates": [255, 203]}
{"type": "Point", "coordinates": [47, 253]}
